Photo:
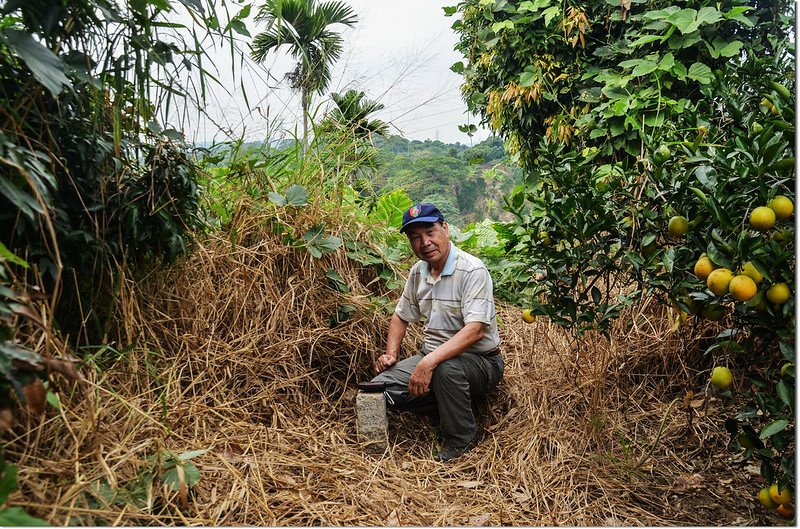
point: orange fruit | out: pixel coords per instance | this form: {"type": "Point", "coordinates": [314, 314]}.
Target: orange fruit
{"type": "Point", "coordinates": [527, 317]}
{"type": "Point", "coordinates": [719, 280]}
{"type": "Point", "coordinates": [778, 293]}
{"type": "Point", "coordinates": [781, 496]}
{"type": "Point", "coordinates": [750, 271]}
{"type": "Point", "coordinates": [782, 206]}
{"type": "Point", "coordinates": [762, 218]}
{"type": "Point", "coordinates": [765, 499]}
{"type": "Point", "coordinates": [722, 378]}
{"type": "Point", "coordinates": [742, 288]}
{"type": "Point", "coordinates": [678, 226]}
{"type": "Point", "coordinates": [787, 511]}
{"type": "Point", "coordinates": [703, 267]}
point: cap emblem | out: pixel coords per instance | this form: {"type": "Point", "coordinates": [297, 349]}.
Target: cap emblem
{"type": "Point", "coordinates": [414, 211]}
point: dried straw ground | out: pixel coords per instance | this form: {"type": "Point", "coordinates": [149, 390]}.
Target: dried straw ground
{"type": "Point", "coordinates": [234, 355]}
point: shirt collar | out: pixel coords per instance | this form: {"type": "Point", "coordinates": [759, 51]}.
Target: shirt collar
{"type": "Point", "coordinates": [449, 265]}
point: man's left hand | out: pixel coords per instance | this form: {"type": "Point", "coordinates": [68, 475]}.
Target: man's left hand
{"type": "Point", "coordinates": [420, 381]}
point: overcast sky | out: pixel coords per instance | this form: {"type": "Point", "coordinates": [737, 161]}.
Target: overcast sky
{"type": "Point", "coordinates": [399, 53]}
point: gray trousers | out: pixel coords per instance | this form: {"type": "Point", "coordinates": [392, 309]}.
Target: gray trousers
{"type": "Point", "coordinates": [454, 384]}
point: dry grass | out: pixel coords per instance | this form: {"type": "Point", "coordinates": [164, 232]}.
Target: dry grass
{"type": "Point", "coordinates": [234, 355]}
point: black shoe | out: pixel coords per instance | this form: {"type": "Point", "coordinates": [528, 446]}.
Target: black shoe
{"type": "Point", "coordinates": [448, 453]}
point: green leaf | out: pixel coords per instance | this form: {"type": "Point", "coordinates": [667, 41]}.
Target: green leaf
{"type": "Point", "coordinates": [297, 195]}
{"type": "Point", "coordinates": [186, 456]}
{"type": "Point", "coordinates": [784, 393]}
{"type": "Point", "coordinates": [773, 428]}
{"type": "Point", "coordinates": [5, 254]}
{"type": "Point", "coordinates": [700, 73]}
{"type": "Point", "coordinates": [737, 14]}
{"type": "Point", "coordinates": [708, 15]}
{"type": "Point", "coordinates": [8, 482]}
{"type": "Point", "coordinates": [685, 20]}
{"type": "Point", "coordinates": [645, 39]}
{"type": "Point", "coordinates": [277, 198]}
{"type": "Point", "coordinates": [190, 473]}
{"type": "Point", "coordinates": [45, 65]}
{"type": "Point", "coordinates": [731, 49]}
{"type": "Point", "coordinates": [667, 62]}
{"type": "Point", "coordinates": [17, 517]}
{"type": "Point", "coordinates": [527, 78]}
{"type": "Point", "coordinates": [551, 13]}
{"type": "Point", "coordinates": [644, 68]}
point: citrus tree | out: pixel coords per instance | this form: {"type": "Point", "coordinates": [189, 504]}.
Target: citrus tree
{"type": "Point", "coordinates": [657, 144]}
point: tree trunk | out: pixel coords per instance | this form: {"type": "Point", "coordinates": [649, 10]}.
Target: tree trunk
{"type": "Point", "coordinates": [304, 103]}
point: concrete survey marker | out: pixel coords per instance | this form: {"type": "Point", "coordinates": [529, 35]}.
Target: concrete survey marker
{"type": "Point", "coordinates": [371, 423]}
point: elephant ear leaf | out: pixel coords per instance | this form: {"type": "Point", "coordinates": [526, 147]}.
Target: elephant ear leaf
{"type": "Point", "coordinates": [45, 65]}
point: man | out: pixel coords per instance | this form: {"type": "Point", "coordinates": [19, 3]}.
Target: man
{"type": "Point", "coordinates": [460, 357]}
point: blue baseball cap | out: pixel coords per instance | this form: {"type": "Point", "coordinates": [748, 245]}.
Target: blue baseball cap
{"type": "Point", "coordinates": [421, 213]}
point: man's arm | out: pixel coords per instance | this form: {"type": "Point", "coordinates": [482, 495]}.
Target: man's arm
{"type": "Point", "coordinates": [420, 379]}
{"type": "Point", "coordinates": [394, 339]}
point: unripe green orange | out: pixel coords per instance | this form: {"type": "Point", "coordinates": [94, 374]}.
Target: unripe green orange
{"type": "Point", "coordinates": [721, 377]}
{"type": "Point", "coordinates": [678, 226]}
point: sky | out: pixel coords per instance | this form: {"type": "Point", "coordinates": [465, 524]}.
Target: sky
{"type": "Point", "coordinates": [399, 53]}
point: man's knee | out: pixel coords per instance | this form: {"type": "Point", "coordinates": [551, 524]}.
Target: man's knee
{"type": "Point", "coordinates": [448, 372]}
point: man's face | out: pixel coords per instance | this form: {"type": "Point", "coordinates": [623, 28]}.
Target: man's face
{"type": "Point", "coordinates": [430, 242]}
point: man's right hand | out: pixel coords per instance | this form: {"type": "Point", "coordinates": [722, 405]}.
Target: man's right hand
{"type": "Point", "coordinates": [384, 362]}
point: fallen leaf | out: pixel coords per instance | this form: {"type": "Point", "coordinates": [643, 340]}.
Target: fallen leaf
{"type": "Point", "coordinates": [689, 481]}
{"type": "Point", "coordinates": [392, 520]}
{"type": "Point", "coordinates": [35, 396]}
{"type": "Point", "coordinates": [6, 419]}
{"type": "Point", "coordinates": [479, 520]}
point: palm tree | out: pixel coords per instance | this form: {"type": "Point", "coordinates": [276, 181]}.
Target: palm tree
{"type": "Point", "coordinates": [351, 113]}
{"type": "Point", "coordinates": [303, 25]}
{"type": "Point", "coordinates": [348, 124]}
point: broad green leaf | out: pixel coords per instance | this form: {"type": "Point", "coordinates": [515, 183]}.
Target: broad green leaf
{"type": "Point", "coordinates": [685, 20]}
{"type": "Point", "coordinates": [186, 456]}
{"type": "Point", "coordinates": [17, 517]}
{"type": "Point", "coordinates": [550, 13]}
{"type": "Point", "coordinates": [527, 78]}
{"type": "Point", "coordinates": [46, 66]}
{"type": "Point", "coordinates": [645, 39]}
{"type": "Point", "coordinates": [277, 198]}
{"type": "Point", "coordinates": [731, 49]}
{"type": "Point", "coordinates": [708, 15]}
{"type": "Point", "coordinates": [667, 62]}
{"type": "Point", "coordinates": [773, 428]}
{"type": "Point", "coordinates": [737, 14]}
{"type": "Point", "coordinates": [190, 473]}
{"type": "Point", "coordinates": [700, 73]}
{"type": "Point", "coordinates": [297, 195]}
{"type": "Point", "coordinates": [644, 68]}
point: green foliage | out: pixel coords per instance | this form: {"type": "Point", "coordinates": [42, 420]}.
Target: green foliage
{"type": "Point", "coordinates": [89, 178]}
{"type": "Point", "coordinates": [13, 516]}
{"type": "Point", "coordinates": [626, 115]}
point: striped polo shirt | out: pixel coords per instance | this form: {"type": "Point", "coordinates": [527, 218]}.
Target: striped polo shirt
{"type": "Point", "coordinates": [462, 294]}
